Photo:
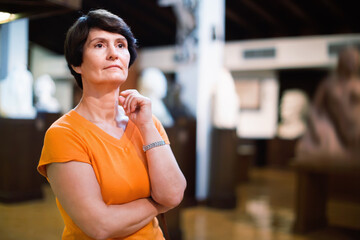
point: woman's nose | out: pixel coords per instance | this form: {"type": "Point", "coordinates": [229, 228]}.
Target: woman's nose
{"type": "Point", "coordinates": [112, 53]}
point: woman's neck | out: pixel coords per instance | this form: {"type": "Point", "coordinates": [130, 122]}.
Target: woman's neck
{"type": "Point", "coordinates": [99, 107]}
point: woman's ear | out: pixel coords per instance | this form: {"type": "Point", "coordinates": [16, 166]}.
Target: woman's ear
{"type": "Point", "coordinates": [76, 69]}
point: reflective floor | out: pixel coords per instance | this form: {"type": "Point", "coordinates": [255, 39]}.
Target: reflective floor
{"type": "Point", "coordinates": [264, 212]}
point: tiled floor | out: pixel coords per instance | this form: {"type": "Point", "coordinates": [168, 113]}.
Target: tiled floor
{"type": "Point", "coordinates": [264, 212]}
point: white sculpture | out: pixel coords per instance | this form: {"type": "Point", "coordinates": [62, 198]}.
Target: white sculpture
{"type": "Point", "coordinates": [226, 102]}
{"type": "Point", "coordinates": [16, 94]}
{"type": "Point", "coordinates": [293, 110]}
{"type": "Point", "coordinates": [44, 91]}
{"type": "Point", "coordinates": [153, 84]}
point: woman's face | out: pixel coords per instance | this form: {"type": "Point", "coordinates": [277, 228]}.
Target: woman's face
{"type": "Point", "coordinates": [105, 58]}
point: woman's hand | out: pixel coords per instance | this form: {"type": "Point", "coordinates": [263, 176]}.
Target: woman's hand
{"type": "Point", "coordinates": [137, 107]}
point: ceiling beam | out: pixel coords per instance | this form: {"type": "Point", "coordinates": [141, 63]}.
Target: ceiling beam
{"type": "Point", "coordinates": [37, 8]}
{"type": "Point", "coordinates": [332, 7]}
{"type": "Point", "coordinates": [296, 11]}
{"type": "Point", "coordinates": [73, 4]}
{"type": "Point", "coordinates": [242, 23]}
{"type": "Point", "coordinates": [262, 13]}
{"type": "Point", "coordinates": [167, 16]}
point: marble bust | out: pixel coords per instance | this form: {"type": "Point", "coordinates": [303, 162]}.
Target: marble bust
{"type": "Point", "coordinates": [226, 102]}
{"type": "Point", "coordinates": [153, 84]}
{"type": "Point", "coordinates": [293, 109]}
{"type": "Point", "coordinates": [17, 94]}
{"type": "Point", "coordinates": [44, 91]}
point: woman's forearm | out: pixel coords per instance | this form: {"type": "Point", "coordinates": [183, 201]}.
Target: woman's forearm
{"type": "Point", "coordinates": [123, 220]}
{"type": "Point", "coordinates": [167, 181]}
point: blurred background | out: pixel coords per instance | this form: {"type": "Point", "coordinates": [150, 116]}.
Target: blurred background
{"type": "Point", "coordinates": [259, 99]}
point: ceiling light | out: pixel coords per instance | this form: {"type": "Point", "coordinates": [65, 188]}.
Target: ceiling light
{"type": "Point", "coordinates": [6, 17]}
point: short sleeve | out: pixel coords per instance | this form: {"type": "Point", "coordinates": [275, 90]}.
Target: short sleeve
{"type": "Point", "coordinates": [161, 129]}
{"type": "Point", "coordinates": [62, 145]}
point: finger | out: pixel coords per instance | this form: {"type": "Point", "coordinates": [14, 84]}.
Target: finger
{"type": "Point", "coordinates": [130, 100]}
{"type": "Point", "coordinates": [134, 103]}
{"type": "Point", "coordinates": [121, 100]}
{"type": "Point", "coordinates": [123, 96]}
{"type": "Point", "coordinates": [127, 98]}
{"type": "Point", "coordinates": [127, 92]}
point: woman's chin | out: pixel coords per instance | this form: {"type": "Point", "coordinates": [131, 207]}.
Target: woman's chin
{"type": "Point", "coordinates": [115, 80]}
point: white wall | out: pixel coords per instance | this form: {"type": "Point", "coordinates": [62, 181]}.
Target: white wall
{"type": "Point", "coordinates": [299, 52]}
{"type": "Point", "coordinates": [261, 123]}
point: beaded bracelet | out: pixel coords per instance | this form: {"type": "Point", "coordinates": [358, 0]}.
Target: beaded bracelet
{"type": "Point", "coordinates": [154, 144]}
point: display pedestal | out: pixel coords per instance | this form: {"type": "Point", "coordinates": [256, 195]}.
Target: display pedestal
{"type": "Point", "coordinates": [20, 148]}
{"type": "Point", "coordinates": [318, 182]}
{"type": "Point", "coordinates": [223, 181]}
{"type": "Point", "coordinates": [21, 142]}
{"type": "Point", "coordinates": [280, 152]}
{"type": "Point", "coordinates": [182, 138]}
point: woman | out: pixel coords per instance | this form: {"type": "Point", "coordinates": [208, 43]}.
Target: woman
{"type": "Point", "coordinates": [109, 166]}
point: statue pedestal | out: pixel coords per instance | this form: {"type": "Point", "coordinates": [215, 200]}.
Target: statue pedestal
{"type": "Point", "coordinates": [21, 142]}
{"type": "Point", "coordinates": [20, 148]}
{"type": "Point", "coordinates": [320, 180]}
{"type": "Point", "coordinates": [182, 138]}
{"type": "Point", "coordinates": [280, 152]}
{"type": "Point", "coordinates": [223, 180]}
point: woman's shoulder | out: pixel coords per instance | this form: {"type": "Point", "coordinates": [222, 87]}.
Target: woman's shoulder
{"type": "Point", "coordinates": [67, 123]}
{"type": "Point", "coordinates": [67, 133]}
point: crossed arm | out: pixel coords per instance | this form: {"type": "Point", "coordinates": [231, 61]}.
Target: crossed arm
{"type": "Point", "coordinates": [76, 187]}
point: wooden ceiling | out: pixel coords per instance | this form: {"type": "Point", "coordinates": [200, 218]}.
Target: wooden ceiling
{"type": "Point", "coordinates": [153, 25]}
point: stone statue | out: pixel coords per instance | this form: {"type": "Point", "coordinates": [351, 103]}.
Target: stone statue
{"type": "Point", "coordinates": [226, 102]}
{"type": "Point", "coordinates": [44, 92]}
{"type": "Point", "coordinates": [293, 111]}
{"type": "Point", "coordinates": [334, 119]}
{"type": "Point", "coordinates": [153, 84]}
{"type": "Point", "coordinates": [17, 94]}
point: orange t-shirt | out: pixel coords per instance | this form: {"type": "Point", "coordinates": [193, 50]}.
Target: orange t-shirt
{"type": "Point", "coordinates": [119, 164]}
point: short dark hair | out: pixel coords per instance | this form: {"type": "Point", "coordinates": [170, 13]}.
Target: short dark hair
{"type": "Point", "coordinates": [79, 31]}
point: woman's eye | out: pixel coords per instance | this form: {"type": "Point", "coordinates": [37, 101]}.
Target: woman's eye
{"type": "Point", "coordinates": [99, 45]}
{"type": "Point", "coordinates": [120, 45]}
